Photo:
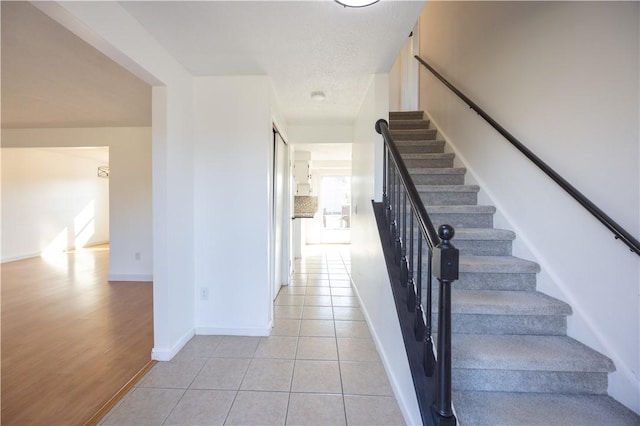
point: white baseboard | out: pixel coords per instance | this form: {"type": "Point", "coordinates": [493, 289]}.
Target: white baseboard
{"type": "Point", "coordinates": [158, 354]}
{"type": "Point", "coordinates": [222, 331]}
{"type": "Point", "coordinates": [130, 277]}
{"type": "Point", "coordinates": [20, 257]}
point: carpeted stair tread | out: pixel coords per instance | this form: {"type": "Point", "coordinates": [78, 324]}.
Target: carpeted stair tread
{"type": "Point", "coordinates": [460, 209]}
{"type": "Point", "coordinates": [448, 188]}
{"type": "Point", "coordinates": [427, 156]}
{"type": "Point", "coordinates": [437, 170]}
{"type": "Point", "coordinates": [413, 142]}
{"type": "Point", "coordinates": [483, 234]}
{"type": "Point", "coordinates": [497, 264]}
{"type": "Point", "coordinates": [540, 409]}
{"type": "Point", "coordinates": [503, 302]}
{"type": "Point", "coordinates": [526, 352]}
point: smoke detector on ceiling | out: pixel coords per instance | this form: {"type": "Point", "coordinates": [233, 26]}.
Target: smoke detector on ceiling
{"type": "Point", "coordinates": [318, 96]}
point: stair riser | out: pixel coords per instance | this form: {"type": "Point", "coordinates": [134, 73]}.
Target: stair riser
{"type": "Point", "coordinates": [547, 325]}
{"type": "Point", "coordinates": [425, 148]}
{"type": "Point", "coordinates": [408, 124]}
{"type": "Point", "coordinates": [495, 281]}
{"type": "Point", "coordinates": [435, 179]}
{"type": "Point", "coordinates": [414, 135]}
{"type": "Point", "coordinates": [529, 381]}
{"type": "Point", "coordinates": [429, 162]}
{"type": "Point", "coordinates": [449, 198]}
{"type": "Point", "coordinates": [462, 220]}
{"type": "Point", "coordinates": [406, 115]}
{"type": "Point", "coordinates": [483, 248]}
{"type": "Point", "coordinates": [475, 247]}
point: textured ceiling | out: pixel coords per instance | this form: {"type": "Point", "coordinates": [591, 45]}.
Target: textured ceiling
{"type": "Point", "coordinates": [303, 46]}
{"type": "Point", "coordinates": [51, 78]}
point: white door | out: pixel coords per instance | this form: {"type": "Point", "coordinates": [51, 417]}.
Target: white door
{"type": "Point", "coordinates": [281, 215]}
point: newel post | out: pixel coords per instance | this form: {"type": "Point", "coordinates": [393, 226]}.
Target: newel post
{"type": "Point", "coordinates": [445, 262]}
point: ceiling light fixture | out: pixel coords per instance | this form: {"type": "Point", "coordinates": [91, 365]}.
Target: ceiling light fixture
{"type": "Point", "coordinates": [356, 3]}
{"type": "Point", "coordinates": [318, 96]}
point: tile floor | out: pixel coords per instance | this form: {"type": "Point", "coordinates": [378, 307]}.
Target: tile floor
{"type": "Point", "coordinates": [318, 367]}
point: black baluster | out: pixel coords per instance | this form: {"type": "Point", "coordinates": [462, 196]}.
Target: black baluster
{"type": "Point", "coordinates": [392, 225]}
{"type": "Point", "coordinates": [429, 356]}
{"type": "Point", "coordinates": [410, 283]}
{"type": "Point", "coordinates": [445, 268]}
{"type": "Point", "coordinates": [398, 243]}
{"type": "Point", "coordinates": [385, 170]}
{"type": "Point", "coordinates": [419, 327]}
{"type": "Point", "coordinates": [404, 269]}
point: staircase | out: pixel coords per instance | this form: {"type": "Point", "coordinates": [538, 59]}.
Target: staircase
{"type": "Point", "coordinates": [512, 360]}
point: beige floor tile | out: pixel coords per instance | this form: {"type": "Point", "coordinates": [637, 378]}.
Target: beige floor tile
{"type": "Point", "coordinates": [298, 282]}
{"type": "Point", "coordinates": [259, 408]}
{"type": "Point", "coordinates": [342, 313]}
{"type": "Point", "coordinates": [316, 409]}
{"type": "Point", "coordinates": [317, 377]}
{"type": "Point", "coordinates": [268, 375]}
{"type": "Point", "coordinates": [288, 312]}
{"type": "Point", "coordinates": [174, 374]}
{"type": "Point", "coordinates": [236, 347]}
{"type": "Point", "coordinates": [317, 300]}
{"type": "Point", "coordinates": [288, 290]}
{"type": "Point", "coordinates": [317, 348]}
{"type": "Point", "coordinates": [342, 291]}
{"type": "Point", "coordinates": [342, 276]}
{"type": "Point", "coordinates": [345, 301]}
{"type": "Point", "coordinates": [340, 283]}
{"type": "Point", "coordinates": [285, 327]}
{"type": "Point", "coordinates": [290, 299]}
{"type": "Point", "coordinates": [221, 373]}
{"type": "Point", "coordinates": [318, 291]}
{"type": "Point", "coordinates": [202, 407]}
{"type": "Point", "coordinates": [350, 349]}
{"type": "Point", "coordinates": [372, 410]}
{"type": "Point", "coordinates": [317, 328]}
{"type": "Point", "coordinates": [144, 406]}
{"type": "Point", "coordinates": [198, 347]}
{"type": "Point", "coordinates": [282, 347]}
{"type": "Point", "coordinates": [318, 282]}
{"type": "Point", "coordinates": [364, 378]}
{"type": "Point", "coordinates": [318, 276]}
{"type": "Point", "coordinates": [352, 329]}
{"type": "Point", "coordinates": [317, 312]}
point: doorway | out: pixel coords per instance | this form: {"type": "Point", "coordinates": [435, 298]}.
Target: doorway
{"type": "Point", "coordinates": [281, 213]}
{"type": "Point", "coordinates": [335, 206]}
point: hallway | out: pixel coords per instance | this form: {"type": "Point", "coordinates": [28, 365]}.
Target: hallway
{"type": "Point", "coordinates": [319, 366]}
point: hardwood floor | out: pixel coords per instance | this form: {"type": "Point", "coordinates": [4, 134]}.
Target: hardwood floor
{"type": "Point", "coordinates": [70, 339]}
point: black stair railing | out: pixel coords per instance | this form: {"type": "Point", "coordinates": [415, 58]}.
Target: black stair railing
{"type": "Point", "coordinates": [407, 220]}
{"type": "Point", "coordinates": [618, 231]}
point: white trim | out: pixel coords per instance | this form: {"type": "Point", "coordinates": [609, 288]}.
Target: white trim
{"type": "Point", "coordinates": [223, 331]}
{"type": "Point", "coordinates": [168, 354]}
{"type": "Point", "coordinates": [130, 277]}
{"type": "Point", "coordinates": [20, 257]}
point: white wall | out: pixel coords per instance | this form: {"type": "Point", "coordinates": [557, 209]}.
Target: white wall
{"type": "Point", "coordinates": [109, 28]}
{"type": "Point", "coordinates": [129, 186]}
{"type": "Point", "coordinates": [234, 144]}
{"type": "Point", "coordinates": [52, 200]}
{"type": "Point", "coordinates": [368, 270]}
{"type": "Point", "coordinates": [571, 94]}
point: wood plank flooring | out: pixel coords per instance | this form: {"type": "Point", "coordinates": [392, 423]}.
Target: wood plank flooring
{"type": "Point", "coordinates": [70, 339]}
